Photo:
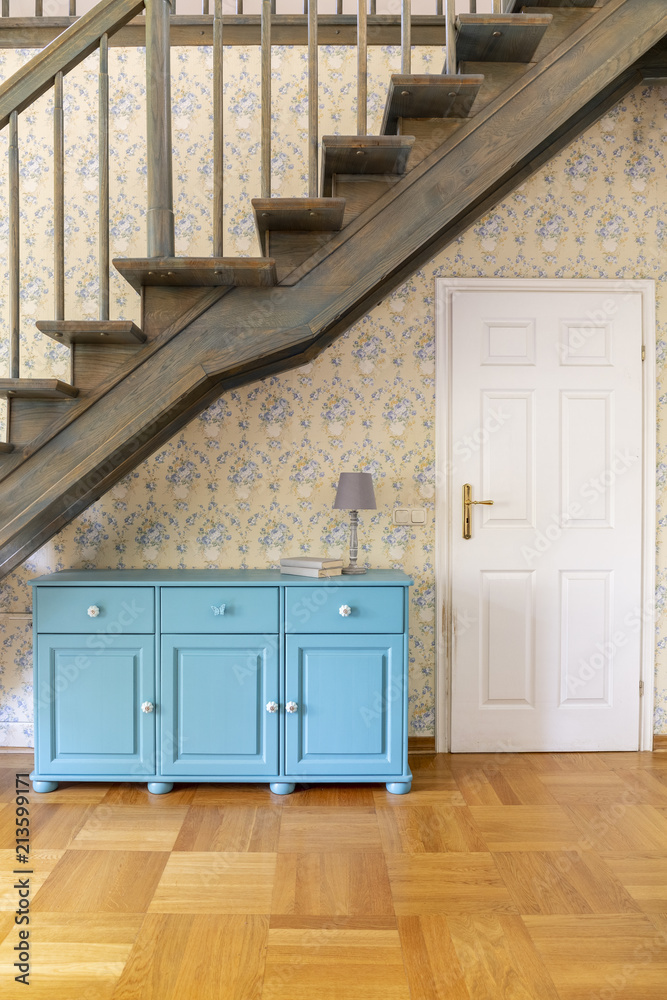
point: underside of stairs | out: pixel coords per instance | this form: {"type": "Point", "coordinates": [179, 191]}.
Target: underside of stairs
{"type": "Point", "coordinates": [452, 145]}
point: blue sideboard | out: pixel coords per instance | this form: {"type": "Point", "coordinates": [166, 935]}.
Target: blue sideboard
{"type": "Point", "coordinates": [220, 675]}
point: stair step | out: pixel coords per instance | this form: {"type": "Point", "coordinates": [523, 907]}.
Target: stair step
{"type": "Point", "coordinates": [429, 133]}
{"type": "Point", "coordinates": [563, 23]}
{"type": "Point", "coordinates": [245, 272]}
{"type": "Point", "coordinates": [297, 215]}
{"type": "Point", "coordinates": [36, 388]}
{"type": "Point", "coordinates": [360, 191]}
{"type": "Point", "coordinates": [5, 447]}
{"type": "Point", "coordinates": [76, 331]}
{"type": "Point", "coordinates": [519, 5]}
{"type": "Point", "coordinates": [429, 96]}
{"type": "Point", "coordinates": [497, 78]}
{"type": "Point", "coordinates": [363, 154]}
{"type": "Point", "coordinates": [499, 37]}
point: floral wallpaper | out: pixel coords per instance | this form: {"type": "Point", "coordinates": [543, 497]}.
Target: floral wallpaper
{"type": "Point", "coordinates": [253, 477]}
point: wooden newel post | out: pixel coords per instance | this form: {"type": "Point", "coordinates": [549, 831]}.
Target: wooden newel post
{"type": "Point", "coordinates": [160, 216]}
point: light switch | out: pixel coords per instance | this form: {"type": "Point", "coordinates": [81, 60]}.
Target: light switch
{"type": "Point", "coordinates": [418, 515]}
{"type": "Point", "coordinates": [401, 515]}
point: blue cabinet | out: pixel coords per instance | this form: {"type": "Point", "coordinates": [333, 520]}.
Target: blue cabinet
{"type": "Point", "coordinates": [207, 675]}
{"type": "Point", "coordinates": [213, 718]}
{"type": "Point", "coordinates": [89, 697]}
{"type": "Point", "coordinates": [349, 696]}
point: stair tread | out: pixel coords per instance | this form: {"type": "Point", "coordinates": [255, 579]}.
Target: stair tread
{"type": "Point", "coordinates": [310, 215]}
{"type": "Point", "coordinates": [98, 331]}
{"type": "Point", "coordinates": [37, 388]}
{"type": "Point", "coordinates": [499, 37]}
{"type": "Point", "coordinates": [246, 272]}
{"type": "Point", "coordinates": [363, 154]}
{"type": "Point", "coordinates": [5, 447]}
{"type": "Point", "coordinates": [429, 96]}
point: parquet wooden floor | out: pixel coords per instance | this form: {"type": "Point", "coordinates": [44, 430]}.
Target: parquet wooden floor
{"type": "Point", "coordinates": [499, 877]}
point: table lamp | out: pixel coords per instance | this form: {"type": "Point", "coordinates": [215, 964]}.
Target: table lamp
{"type": "Point", "coordinates": [354, 493]}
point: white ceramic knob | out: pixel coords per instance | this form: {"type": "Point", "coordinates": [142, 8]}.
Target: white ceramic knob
{"type": "Point", "coordinates": [147, 706]}
{"type": "Point", "coordinates": [345, 610]}
{"type": "Point", "coordinates": [272, 706]}
{"type": "Point", "coordinates": [93, 611]}
{"type": "Point", "coordinates": [291, 707]}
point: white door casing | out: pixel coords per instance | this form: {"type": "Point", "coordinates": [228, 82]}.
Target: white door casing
{"type": "Point", "coordinates": [544, 406]}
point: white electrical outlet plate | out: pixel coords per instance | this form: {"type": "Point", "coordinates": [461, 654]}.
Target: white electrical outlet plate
{"type": "Point", "coordinates": [409, 515]}
{"type": "Point", "coordinates": [401, 515]}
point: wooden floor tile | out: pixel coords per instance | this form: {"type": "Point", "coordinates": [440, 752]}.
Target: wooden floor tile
{"type": "Point", "coordinates": [334, 965]}
{"type": "Point", "coordinates": [590, 956]}
{"type": "Point", "coordinates": [562, 882]}
{"type": "Point", "coordinates": [73, 957]}
{"type": "Point", "coordinates": [338, 796]}
{"type": "Point", "coordinates": [194, 882]}
{"type": "Point", "coordinates": [429, 829]}
{"type": "Point", "coordinates": [230, 828]}
{"type": "Point", "coordinates": [136, 793]}
{"type": "Point", "coordinates": [447, 883]}
{"type": "Point", "coordinates": [431, 964]}
{"type": "Point", "coordinates": [56, 825]}
{"type": "Point", "coordinates": [203, 957]}
{"type": "Point", "coordinates": [209, 793]}
{"type": "Point", "coordinates": [620, 827]}
{"type": "Point", "coordinates": [41, 865]}
{"type": "Point", "coordinates": [644, 877]}
{"type": "Point", "coordinates": [526, 788]}
{"type": "Point", "coordinates": [130, 828]}
{"type": "Point", "coordinates": [526, 828]}
{"type": "Point", "coordinates": [577, 763]}
{"type": "Point", "coordinates": [498, 958]}
{"type": "Point", "coordinates": [307, 831]}
{"type": "Point", "coordinates": [589, 788]}
{"type": "Point", "coordinates": [101, 881]}
{"type": "Point", "coordinates": [21, 761]}
{"type": "Point", "coordinates": [422, 794]}
{"type": "Point", "coordinates": [332, 884]}
{"type": "Point", "coordinates": [645, 787]}
{"type": "Point", "coordinates": [73, 793]}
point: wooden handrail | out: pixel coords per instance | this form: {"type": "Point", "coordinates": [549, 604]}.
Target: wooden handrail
{"type": "Point", "coordinates": [64, 53]}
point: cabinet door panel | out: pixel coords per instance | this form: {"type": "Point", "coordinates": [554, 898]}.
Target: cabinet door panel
{"type": "Point", "coordinates": [88, 699]}
{"type": "Point", "coordinates": [214, 695]}
{"type": "Point", "coordinates": [349, 692]}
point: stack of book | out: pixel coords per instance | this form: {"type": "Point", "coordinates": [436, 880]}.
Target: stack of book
{"type": "Point", "coordinates": [311, 566]}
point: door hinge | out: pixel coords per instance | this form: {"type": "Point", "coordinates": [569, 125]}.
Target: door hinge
{"type": "Point", "coordinates": [641, 689]}
{"type": "Point", "coordinates": [643, 353]}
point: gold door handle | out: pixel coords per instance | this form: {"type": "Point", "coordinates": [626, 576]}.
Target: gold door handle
{"type": "Point", "coordinates": [468, 502]}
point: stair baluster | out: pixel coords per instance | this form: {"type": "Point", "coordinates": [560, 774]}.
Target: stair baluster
{"type": "Point", "coordinates": [265, 165]}
{"type": "Point", "coordinates": [14, 248]}
{"type": "Point", "coordinates": [313, 102]}
{"type": "Point", "coordinates": [160, 213]}
{"type": "Point", "coordinates": [218, 133]}
{"type": "Point", "coordinates": [450, 37]}
{"type": "Point", "coordinates": [58, 199]}
{"type": "Point", "coordinates": [406, 37]}
{"type": "Point", "coordinates": [362, 68]}
{"type": "Point", "coordinates": [103, 179]}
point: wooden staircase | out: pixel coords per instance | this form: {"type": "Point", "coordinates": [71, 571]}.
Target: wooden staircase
{"type": "Point", "coordinates": [451, 145]}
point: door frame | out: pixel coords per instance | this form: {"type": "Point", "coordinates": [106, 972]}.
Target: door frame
{"type": "Point", "coordinates": [447, 512]}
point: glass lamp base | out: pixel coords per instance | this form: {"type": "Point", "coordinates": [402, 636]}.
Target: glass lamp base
{"type": "Point", "coordinates": [353, 570]}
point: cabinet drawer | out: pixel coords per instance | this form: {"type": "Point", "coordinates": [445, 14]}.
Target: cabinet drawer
{"type": "Point", "coordinates": [220, 609]}
{"type": "Point", "coordinates": [323, 609]}
{"type": "Point", "coordinates": [91, 609]}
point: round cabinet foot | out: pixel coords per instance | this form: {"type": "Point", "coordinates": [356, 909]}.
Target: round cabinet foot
{"type": "Point", "coordinates": [160, 787]}
{"type": "Point", "coordinates": [44, 786]}
{"type": "Point", "coordinates": [399, 787]}
{"type": "Point", "coordinates": [281, 788]}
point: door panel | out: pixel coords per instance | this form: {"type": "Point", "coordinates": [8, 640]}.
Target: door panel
{"type": "Point", "coordinates": [88, 698]}
{"type": "Point", "coordinates": [349, 693]}
{"type": "Point", "coordinates": [214, 696]}
{"type": "Point", "coordinates": [546, 421]}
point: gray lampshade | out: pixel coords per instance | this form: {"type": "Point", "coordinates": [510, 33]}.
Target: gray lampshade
{"type": "Point", "coordinates": [355, 492]}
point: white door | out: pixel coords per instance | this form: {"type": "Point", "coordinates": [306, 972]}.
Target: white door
{"type": "Point", "coordinates": [545, 420]}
